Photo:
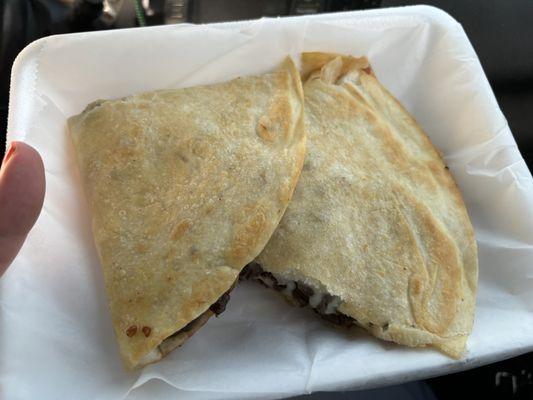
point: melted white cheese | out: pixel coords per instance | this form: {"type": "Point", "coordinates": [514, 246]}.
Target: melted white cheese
{"type": "Point", "coordinates": [315, 299]}
{"type": "Point", "coordinates": [289, 286]}
{"type": "Point", "coordinates": [153, 356]}
{"type": "Point", "coordinates": [333, 305]}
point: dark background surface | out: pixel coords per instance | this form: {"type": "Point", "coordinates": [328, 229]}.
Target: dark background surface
{"type": "Point", "coordinates": [501, 31]}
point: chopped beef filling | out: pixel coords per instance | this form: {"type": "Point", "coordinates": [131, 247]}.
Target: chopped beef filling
{"type": "Point", "coordinates": [179, 337]}
{"type": "Point", "coordinates": [301, 294]}
{"type": "Point", "coordinates": [217, 308]}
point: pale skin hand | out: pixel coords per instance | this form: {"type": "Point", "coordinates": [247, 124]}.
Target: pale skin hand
{"type": "Point", "coordinates": [22, 187]}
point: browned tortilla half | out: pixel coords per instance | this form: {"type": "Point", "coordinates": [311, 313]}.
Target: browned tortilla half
{"type": "Point", "coordinates": [377, 233]}
{"type": "Point", "coordinates": [185, 187]}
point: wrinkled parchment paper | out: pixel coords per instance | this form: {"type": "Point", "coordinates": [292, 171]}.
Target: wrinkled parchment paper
{"type": "Point", "coordinates": [56, 339]}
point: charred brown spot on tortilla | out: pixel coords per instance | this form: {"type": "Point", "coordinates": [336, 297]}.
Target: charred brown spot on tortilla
{"type": "Point", "coordinates": [141, 248]}
{"type": "Point", "coordinates": [300, 294]}
{"type": "Point", "coordinates": [182, 227]}
{"type": "Point", "coordinates": [247, 235]}
{"type": "Point", "coordinates": [183, 157]}
{"type": "Point", "coordinates": [146, 330]}
{"type": "Point", "coordinates": [264, 131]}
{"type": "Point", "coordinates": [368, 70]}
{"type": "Point", "coordinates": [132, 330]}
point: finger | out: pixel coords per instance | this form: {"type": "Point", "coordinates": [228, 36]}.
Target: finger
{"type": "Point", "coordinates": [22, 187]}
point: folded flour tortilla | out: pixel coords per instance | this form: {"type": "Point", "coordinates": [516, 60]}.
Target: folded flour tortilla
{"type": "Point", "coordinates": [186, 187]}
{"type": "Point", "coordinates": [377, 234]}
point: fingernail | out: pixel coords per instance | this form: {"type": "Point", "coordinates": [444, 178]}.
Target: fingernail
{"type": "Point", "coordinates": [9, 152]}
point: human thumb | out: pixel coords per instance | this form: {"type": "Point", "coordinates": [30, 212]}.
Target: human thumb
{"type": "Point", "coordinates": [22, 188]}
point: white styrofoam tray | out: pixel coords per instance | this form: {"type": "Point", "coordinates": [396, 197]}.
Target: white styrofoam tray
{"type": "Point", "coordinates": [56, 340]}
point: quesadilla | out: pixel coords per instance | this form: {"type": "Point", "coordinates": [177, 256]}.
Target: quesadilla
{"type": "Point", "coordinates": [377, 234]}
{"type": "Point", "coordinates": [186, 187]}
